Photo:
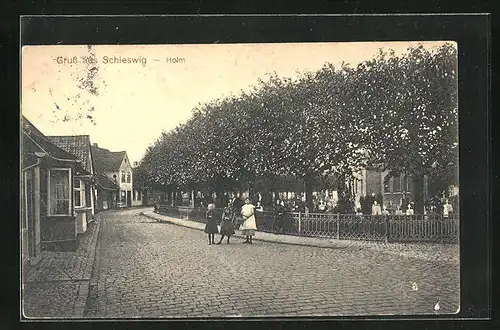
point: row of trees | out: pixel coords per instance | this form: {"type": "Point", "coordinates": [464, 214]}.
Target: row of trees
{"type": "Point", "coordinates": [398, 113]}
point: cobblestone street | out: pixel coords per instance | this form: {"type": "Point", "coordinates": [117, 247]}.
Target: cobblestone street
{"type": "Point", "coordinates": [148, 269]}
{"type": "Point", "coordinates": [57, 287]}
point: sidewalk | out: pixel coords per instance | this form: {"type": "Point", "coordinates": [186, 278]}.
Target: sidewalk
{"type": "Point", "coordinates": [425, 251]}
{"type": "Point", "coordinates": [57, 287]}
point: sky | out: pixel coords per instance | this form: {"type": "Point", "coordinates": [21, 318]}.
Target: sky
{"type": "Point", "coordinates": [130, 104]}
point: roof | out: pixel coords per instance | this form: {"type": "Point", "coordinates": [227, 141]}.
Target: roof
{"type": "Point", "coordinates": [28, 152]}
{"type": "Point", "coordinates": [107, 161]}
{"type": "Point", "coordinates": [105, 182]}
{"type": "Point", "coordinates": [78, 145]}
{"type": "Point", "coordinates": [35, 141]}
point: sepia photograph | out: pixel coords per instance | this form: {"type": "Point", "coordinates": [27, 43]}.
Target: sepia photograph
{"type": "Point", "coordinates": [252, 180]}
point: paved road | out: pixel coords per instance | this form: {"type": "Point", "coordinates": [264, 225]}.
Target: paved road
{"type": "Point", "coordinates": [148, 269]}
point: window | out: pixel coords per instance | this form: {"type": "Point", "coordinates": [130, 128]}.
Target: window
{"type": "Point", "coordinates": [123, 197]}
{"type": "Point", "coordinates": [128, 177]}
{"type": "Point", "coordinates": [407, 184]}
{"type": "Point", "coordinates": [59, 194]}
{"type": "Point", "coordinates": [79, 189]}
{"type": "Point", "coordinates": [396, 184]}
{"type": "Point", "coordinates": [123, 177]}
{"type": "Point", "coordinates": [386, 186]}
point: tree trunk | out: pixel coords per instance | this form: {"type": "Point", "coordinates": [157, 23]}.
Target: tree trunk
{"type": "Point", "coordinates": [341, 186]}
{"type": "Point", "coordinates": [308, 191]}
{"type": "Point", "coordinates": [418, 193]}
{"type": "Point", "coordinates": [251, 192]}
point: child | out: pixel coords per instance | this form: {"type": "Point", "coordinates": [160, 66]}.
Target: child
{"type": "Point", "coordinates": [248, 227]}
{"type": "Point", "coordinates": [211, 226]}
{"type": "Point", "coordinates": [226, 227]}
{"type": "Point", "coordinates": [409, 211]}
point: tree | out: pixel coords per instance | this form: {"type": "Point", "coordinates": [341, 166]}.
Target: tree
{"type": "Point", "coordinates": [413, 103]}
{"type": "Point", "coordinates": [398, 113]}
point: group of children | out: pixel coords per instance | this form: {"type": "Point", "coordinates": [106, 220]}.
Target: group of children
{"type": "Point", "coordinates": [229, 219]}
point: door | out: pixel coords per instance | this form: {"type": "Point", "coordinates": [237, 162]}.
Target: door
{"type": "Point", "coordinates": [129, 198]}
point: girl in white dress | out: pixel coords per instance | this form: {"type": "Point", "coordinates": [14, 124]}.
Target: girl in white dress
{"type": "Point", "coordinates": [248, 227]}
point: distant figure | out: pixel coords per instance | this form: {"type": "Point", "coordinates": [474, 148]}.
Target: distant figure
{"type": "Point", "coordinates": [404, 201]}
{"type": "Point", "coordinates": [211, 226]}
{"type": "Point", "coordinates": [227, 226]}
{"type": "Point", "coordinates": [322, 206]}
{"type": "Point", "coordinates": [399, 211]}
{"type": "Point", "coordinates": [259, 207]}
{"type": "Point", "coordinates": [248, 227]}
{"type": "Point", "coordinates": [447, 209]}
{"type": "Point", "coordinates": [409, 210]}
{"type": "Point", "coordinates": [384, 211]}
{"type": "Point", "coordinates": [376, 210]}
{"type": "Point", "coordinates": [279, 217]}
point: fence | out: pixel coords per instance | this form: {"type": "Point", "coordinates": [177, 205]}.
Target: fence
{"type": "Point", "coordinates": [387, 228]}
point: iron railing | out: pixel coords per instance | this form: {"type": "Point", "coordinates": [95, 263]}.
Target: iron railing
{"type": "Point", "coordinates": [387, 228]}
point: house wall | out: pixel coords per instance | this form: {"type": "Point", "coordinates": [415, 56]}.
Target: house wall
{"type": "Point", "coordinates": [92, 203]}
{"type": "Point", "coordinates": [91, 194]}
{"type": "Point", "coordinates": [81, 221]}
{"type": "Point", "coordinates": [31, 239]}
{"type": "Point", "coordinates": [392, 197]}
{"type": "Point", "coordinates": [56, 232]}
{"type": "Point", "coordinates": [85, 214]}
{"type": "Point", "coordinates": [124, 186]}
{"type": "Point", "coordinates": [373, 182]}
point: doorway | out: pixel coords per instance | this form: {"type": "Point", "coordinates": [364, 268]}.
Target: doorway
{"type": "Point", "coordinates": [129, 198]}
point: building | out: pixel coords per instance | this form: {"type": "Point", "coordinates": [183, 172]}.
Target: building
{"type": "Point", "coordinates": [113, 171]}
{"type": "Point", "coordinates": [394, 189]}
{"type": "Point", "coordinates": [84, 188]}
{"type": "Point", "coordinates": [48, 184]}
{"type": "Point", "coordinates": [107, 192]}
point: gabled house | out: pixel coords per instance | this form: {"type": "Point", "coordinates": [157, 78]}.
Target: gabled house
{"type": "Point", "coordinates": [114, 171]}
{"type": "Point", "coordinates": [48, 213]}
{"type": "Point", "coordinates": [84, 185]}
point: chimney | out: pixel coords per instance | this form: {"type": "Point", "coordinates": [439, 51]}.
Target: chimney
{"type": "Point", "coordinates": [136, 164]}
{"type": "Point", "coordinates": [95, 145]}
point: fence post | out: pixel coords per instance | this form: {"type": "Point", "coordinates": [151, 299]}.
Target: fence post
{"type": "Point", "coordinates": [299, 223]}
{"type": "Point", "coordinates": [338, 226]}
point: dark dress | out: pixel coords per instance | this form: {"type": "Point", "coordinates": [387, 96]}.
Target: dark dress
{"type": "Point", "coordinates": [227, 226]}
{"type": "Point", "coordinates": [211, 226]}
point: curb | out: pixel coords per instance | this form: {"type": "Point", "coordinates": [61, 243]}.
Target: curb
{"type": "Point", "coordinates": [335, 245]}
{"type": "Point", "coordinates": [92, 252]}
{"type": "Point", "coordinates": [84, 288]}
{"type": "Point", "coordinates": [339, 246]}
